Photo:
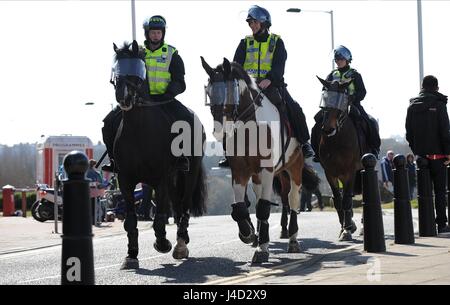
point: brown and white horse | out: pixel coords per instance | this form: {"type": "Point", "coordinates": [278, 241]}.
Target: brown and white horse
{"type": "Point", "coordinates": [249, 123]}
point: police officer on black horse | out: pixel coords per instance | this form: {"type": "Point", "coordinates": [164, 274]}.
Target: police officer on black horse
{"type": "Point", "coordinates": [165, 80]}
{"type": "Point", "coordinates": [263, 56]}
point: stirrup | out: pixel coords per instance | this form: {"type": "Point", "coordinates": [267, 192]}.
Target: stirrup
{"type": "Point", "coordinates": [224, 163]}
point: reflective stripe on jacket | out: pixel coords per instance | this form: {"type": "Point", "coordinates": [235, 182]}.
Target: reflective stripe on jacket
{"type": "Point", "coordinates": [259, 55]}
{"type": "Point", "coordinates": [157, 63]}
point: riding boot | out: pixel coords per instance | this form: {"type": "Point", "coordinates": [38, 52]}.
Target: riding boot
{"type": "Point", "coordinates": [109, 130]}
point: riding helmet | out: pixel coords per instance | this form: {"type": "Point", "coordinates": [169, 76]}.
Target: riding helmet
{"type": "Point", "coordinates": [259, 14]}
{"type": "Point", "coordinates": [342, 52]}
{"type": "Point", "coordinates": [156, 22]}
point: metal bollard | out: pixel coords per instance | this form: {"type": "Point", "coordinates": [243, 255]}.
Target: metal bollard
{"type": "Point", "coordinates": [372, 216]}
{"type": "Point", "coordinates": [77, 265]}
{"type": "Point", "coordinates": [427, 226]}
{"type": "Point", "coordinates": [403, 223]}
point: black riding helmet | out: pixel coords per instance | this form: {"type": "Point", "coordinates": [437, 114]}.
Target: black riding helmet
{"type": "Point", "coordinates": [260, 14]}
{"type": "Point", "coordinates": [156, 22]}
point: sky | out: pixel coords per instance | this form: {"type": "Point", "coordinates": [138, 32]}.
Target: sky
{"type": "Point", "coordinates": [56, 56]}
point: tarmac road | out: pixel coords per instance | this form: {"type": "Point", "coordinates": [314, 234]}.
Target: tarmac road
{"type": "Point", "coordinates": [217, 256]}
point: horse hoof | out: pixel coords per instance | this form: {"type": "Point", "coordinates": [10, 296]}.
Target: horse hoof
{"type": "Point", "coordinates": [247, 239]}
{"type": "Point", "coordinates": [284, 234]}
{"type": "Point", "coordinates": [260, 257]}
{"type": "Point", "coordinates": [162, 246]}
{"type": "Point", "coordinates": [180, 253]}
{"type": "Point", "coordinates": [345, 236]}
{"type": "Point", "coordinates": [130, 263]}
{"type": "Point", "coordinates": [294, 247]}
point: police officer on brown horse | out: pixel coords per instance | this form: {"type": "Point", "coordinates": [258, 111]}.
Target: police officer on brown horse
{"type": "Point", "coordinates": [366, 125]}
{"type": "Point", "coordinates": [263, 57]}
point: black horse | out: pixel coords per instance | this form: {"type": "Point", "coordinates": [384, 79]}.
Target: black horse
{"type": "Point", "coordinates": [143, 153]}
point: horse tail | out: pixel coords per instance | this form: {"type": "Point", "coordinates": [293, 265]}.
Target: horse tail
{"type": "Point", "coordinates": [276, 185]}
{"type": "Point", "coordinates": [310, 179]}
{"type": "Point", "coordinates": [199, 194]}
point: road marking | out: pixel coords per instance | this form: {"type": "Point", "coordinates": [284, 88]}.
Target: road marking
{"type": "Point", "coordinates": [275, 270]}
{"type": "Point", "coordinates": [96, 269]}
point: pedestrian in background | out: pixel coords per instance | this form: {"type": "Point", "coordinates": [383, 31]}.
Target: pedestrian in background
{"type": "Point", "coordinates": [428, 135]}
{"type": "Point", "coordinates": [387, 164]}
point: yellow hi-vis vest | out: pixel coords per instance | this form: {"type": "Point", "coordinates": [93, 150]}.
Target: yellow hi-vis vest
{"type": "Point", "coordinates": [157, 63]}
{"type": "Point", "coordinates": [259, 55]}
{"type": "Point", "coordinates": [338, 76]}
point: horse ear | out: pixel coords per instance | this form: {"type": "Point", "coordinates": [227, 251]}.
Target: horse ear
{"type": "Point", "coordinates": [115, 47]}
{"type": "Point", "coordinates": [325, 83]}
{"type": "Point", "coordinates": [135, 47]}
{"type": "Point", "coordinates": [207, 68]}
{"type": "Point", "coordinates": [226, 66]}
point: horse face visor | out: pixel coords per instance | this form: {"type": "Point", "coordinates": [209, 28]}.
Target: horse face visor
{"type": "Point", "coordinates": [130, 67]}
{"type": "Point", "coordinates": [334, 99]}
{"type": "Point", "coordinates": [222, 93]}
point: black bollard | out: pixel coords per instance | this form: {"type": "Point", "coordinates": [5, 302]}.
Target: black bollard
{"type": "Point", "coordinates": [403, 223]}
{"type": "Point", "coordinates": [448, 193]}
{"type": "Point", "coordinates": [427, 225]}
{"type": "Point", "coordinates": [372, 216]}
{"type": "Point", "coordinates": [77, 265]}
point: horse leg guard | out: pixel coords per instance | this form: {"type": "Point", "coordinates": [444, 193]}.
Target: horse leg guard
{"type": "Point", "coordinates": [183, 224]}
{"type": "Point", "coordinates": [242, 217]}
{"type": "Point", "coordinates": [263, 213]}
{"type": "Point", "coordinates": [130, 225]}
{"type": "Point", "coordinates": [349, 226]}
{"type": "Point", "coordinates": [293, 246]}
{"type": "Point", "coordinates": [284, 222]}
{"type": "Point", "coordinates": [161, 244]}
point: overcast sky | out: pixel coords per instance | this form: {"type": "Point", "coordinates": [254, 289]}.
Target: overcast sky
{"type": "Point", "coordinates": [56, 55]}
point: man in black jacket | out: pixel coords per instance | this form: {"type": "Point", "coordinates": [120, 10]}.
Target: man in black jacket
{"type": "Point", "coordinates": [428, 135]}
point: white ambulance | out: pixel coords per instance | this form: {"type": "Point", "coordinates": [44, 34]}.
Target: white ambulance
{"type": "Point", "coordinates": [51, 151]}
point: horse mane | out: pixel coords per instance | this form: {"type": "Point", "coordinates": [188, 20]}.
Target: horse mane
{"type": "Point", "coordinates": [125, 51]}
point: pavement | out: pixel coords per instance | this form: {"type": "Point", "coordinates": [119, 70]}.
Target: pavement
{"type": "Point", "coordinates": [425, 262]}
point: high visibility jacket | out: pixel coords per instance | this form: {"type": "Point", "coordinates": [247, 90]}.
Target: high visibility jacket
{"type": "Point", "coordinates": [157, 63]}
{"type": "Point", "coordinates": [259, 55]}
{"type": "Point", "coordinates": [338, 76]}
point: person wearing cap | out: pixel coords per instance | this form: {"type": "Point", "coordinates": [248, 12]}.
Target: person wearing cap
{"type": "Point", "coordinates": [357, 91]}
{"type": "Point", "coordinates": [428, 135]}
{"type": "Point", "coordinates": [263, 56]}
{"type": "Point", "coordinates": [164, 81]}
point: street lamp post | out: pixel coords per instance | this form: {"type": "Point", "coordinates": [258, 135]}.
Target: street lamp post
{"type": "Point", "coordinates": [420, 38]}
{"type": "Point", "coordinates": [298, 10]}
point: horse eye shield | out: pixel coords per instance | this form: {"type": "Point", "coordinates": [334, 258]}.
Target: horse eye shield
{"type": "Point", "coordinates": [334, 99]}
{"type": "Point", "coordinates": [223, 93]}
{"type": "Point", "coordinates": [130, 67]}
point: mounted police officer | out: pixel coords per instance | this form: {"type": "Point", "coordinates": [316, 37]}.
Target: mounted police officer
{"type": "Point", "coordinates": [263, 56]}
{"type": "Point", "coordinates": [357, 91]}
{"type": "Point", "coordinates": [165, 80]}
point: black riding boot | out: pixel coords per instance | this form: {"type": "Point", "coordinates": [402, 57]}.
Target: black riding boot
{"type": "Point", "coordinates": [315, 135]}
{"type": "Point", "coordinates": [298, 121]}
{"type": "Point", "coordinates": [109, 130]}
